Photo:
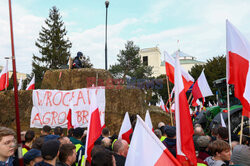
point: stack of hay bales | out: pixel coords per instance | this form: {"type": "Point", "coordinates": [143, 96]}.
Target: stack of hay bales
{"type": "Point", "coordinates": [119, 99]}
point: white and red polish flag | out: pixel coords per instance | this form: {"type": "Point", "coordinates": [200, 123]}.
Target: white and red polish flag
{"type": "Point", "coordinates": [148, 120]}
{"type": "Point", "coordinates": [162, 105]}
{"type": "Point", "coordinates": [201, 88]}
{"type": "Point", "coordinates": [126, 128]}
{"type": "Point", "coordinates": [4, 77]}
{"type": "Point", "coordinates": [147, 150]}
{"type": "Point", "coordinates": [238, 63]}
{"type": "Point", "coordinates": [94, 126]}
{"type": "Point", "coordinates": [31, 85]}
{"type": "Point", "coordinates": [185, 151]}
{"type": "Point", "coordinates": [170, 69]}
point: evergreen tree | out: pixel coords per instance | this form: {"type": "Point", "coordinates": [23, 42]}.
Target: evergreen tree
{"type": "Point", "coordinates": [86, 62]}
{"type": "Point", "coordinates": [53, 46]}
{"type": "Point", "coordinates": [130, 64]}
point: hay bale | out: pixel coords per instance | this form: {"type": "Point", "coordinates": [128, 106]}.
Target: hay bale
{"type": "Point", "coordinates": [119, 99]}
{"type": "Point", "coordinates": [68, 79]}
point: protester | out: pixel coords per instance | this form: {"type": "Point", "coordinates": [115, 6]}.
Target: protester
{"type": "Point", "coordinates": [78, 60]}
{"type": "Point", "coordinates": [97, 148]}
{"type": "Point", "coordinates": [158, 133]}
{"type": "Point", "coordinates": [170, 141]}
{"type": "Point", "coordinates": [106, 142]}
{"type": "Point", "coordinates": [29, 138]}
{"type": "Point", "coordinates": [37, 144]}
{"type": "Point", "coordinates": [214, 133]}
{"type": "Point", "coordinates": [220, 151]}
{"type": "Point", "coordinates": [76, 140]}
{"type": "Point", "coordinates": [50, 152]}
{"type": "Point", "coordinates": [45, 131]}
{"type": "Point", "coordinates": [198, 131]}
{"type": "Point", "coordinates": [64, 140]}
{"type": "Point", "coordinates": [202, 142]}
{"type": "Point", "coordinates": [67, 155]}
{"type": "Point", "coordinates": [161, 126]}
{"type": "Point", "coordinates": [58, 131]}
{"type": "Point", "coordinates": [241, 155]}
{"type": "Point", "coordinates": [223, 134]}
{"type": "Point", "coordinates": [7, 146]}
{"type": "Point", "coordinates": [121, 150]}
{"type": "Point", "coordinates": [105, 133]}
{"type": "Point", "coordinates": [32, 157]}
{"type": "Point", "coordinates": [23, 137]}
{"type": "Point", "coordinates": [70, 132]}
{"type": "Point", "coordinates": [103, 158]}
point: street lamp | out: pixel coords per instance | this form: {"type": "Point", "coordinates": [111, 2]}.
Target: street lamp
{"type": "Point", "coordinates": [106, 56]}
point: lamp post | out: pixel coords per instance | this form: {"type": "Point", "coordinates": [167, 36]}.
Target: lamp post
{"type": "Point", "coordinates": [106, 56]}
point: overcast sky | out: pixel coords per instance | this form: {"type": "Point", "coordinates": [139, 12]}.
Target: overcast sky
{"type": "Point", "coordinates": [198, 24]}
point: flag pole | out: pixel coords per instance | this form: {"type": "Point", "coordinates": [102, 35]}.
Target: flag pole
{"type": "Point", "coordinates": [189, 98]}
{"type": "Point", "coordinates": [171, 117]}
{"type": "Point", "coordinates": [241, 128]}
{"type": "Point", "coordinates": [18, 128]}
{"type": "Point", "coordinates": [228, 115]}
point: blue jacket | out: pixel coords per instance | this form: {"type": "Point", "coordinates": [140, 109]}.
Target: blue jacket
{"type": "Point", "coordinates": [9, 162]}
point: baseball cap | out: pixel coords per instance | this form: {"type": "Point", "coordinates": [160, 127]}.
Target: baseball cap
{"type": "Point", "coordinates": [31, 155]}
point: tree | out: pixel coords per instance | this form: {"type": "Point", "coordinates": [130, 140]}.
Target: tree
{"type": "Point", "coordinates": [53, 46]}
{"type": "Point", "coordinates": [86, 62]}
{"type": "Point", "coordinates": [215, 68]}
{"type": "Point", "coordinates": [130, 64]}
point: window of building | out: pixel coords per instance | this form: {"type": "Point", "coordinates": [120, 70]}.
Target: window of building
{"type": "Point", "coordinates": [145, 60]}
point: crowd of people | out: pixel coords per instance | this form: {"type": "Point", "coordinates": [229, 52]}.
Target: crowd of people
{"type": "Point", "coordinates": [53, 148]}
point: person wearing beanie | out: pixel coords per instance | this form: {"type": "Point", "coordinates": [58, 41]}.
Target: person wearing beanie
{"type": "Point", "coordinates": [50, 152]}
{"type": "Point", "coordinates": [32, 157]}
{"type": "Point", "coordinates": [240, 155]}
{"type": "Point", "coordinates": [170, 141]}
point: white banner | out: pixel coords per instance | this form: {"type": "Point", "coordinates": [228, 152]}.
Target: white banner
{"type": "Point", "coordinates": [51, 107]}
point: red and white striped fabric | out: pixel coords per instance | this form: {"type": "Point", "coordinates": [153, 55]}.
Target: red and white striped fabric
{"type": "Point", "coordinates": [201, 88]}
{"type": "Point", "coordinates": [184, 127]}
{"type": "Point", "coordinates": [126, 128]}
{"type": "Point", "coordinates": [238, 66]}
{"type": "Point", "coordinates": [170, 69]}
{"type": "Point", "coordinates": [173, 107]}
{"type": "Point", "coordinates": [94, 126]}
{"type": "Point", "coordinates": [147, 150]}
{"type": "Point", "coordinates": [162, 105]}
{"type": "Point", "coordinates": [148, 120]}
{"type": "Point", "coordinates": [31, 85]}
{"type": "Point", "coordinates": [4, 77]}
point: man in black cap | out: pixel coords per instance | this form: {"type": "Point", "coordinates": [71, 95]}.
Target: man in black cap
{"type": "Point", "coordinates": [50, 152]}
{"type": "Point", "coordinates": [170, 141]}
{"type": "Point", "coordinates": [32, 157]}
